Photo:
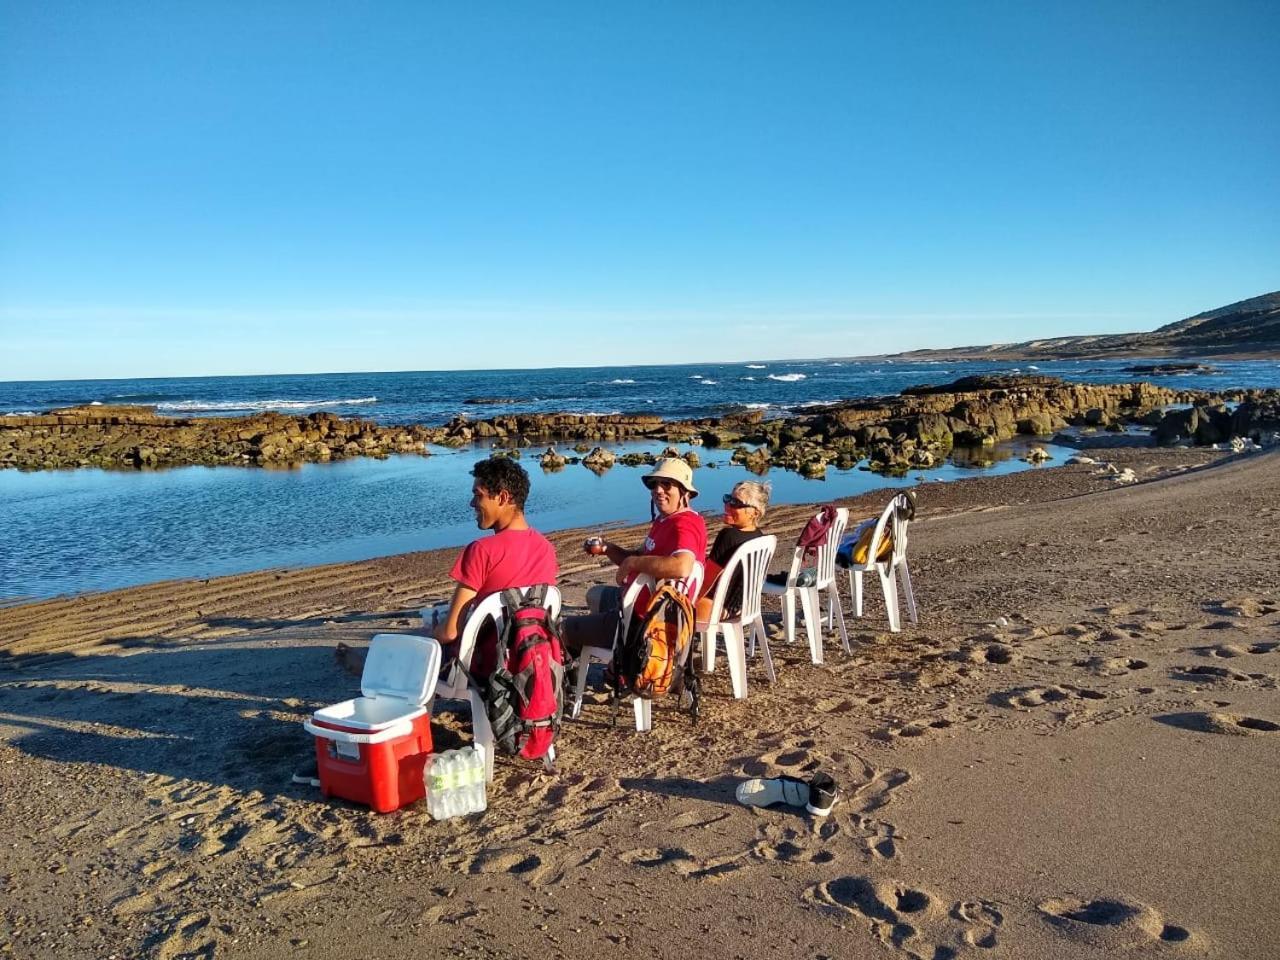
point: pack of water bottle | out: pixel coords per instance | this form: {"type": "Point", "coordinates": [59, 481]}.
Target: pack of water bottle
{"type": "Point", "coordinates": [456, 783]}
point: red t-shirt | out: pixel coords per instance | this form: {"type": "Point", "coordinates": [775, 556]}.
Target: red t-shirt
{"type": "Point", "coordinates": [683, 532]}
{"type": "Point", "coordinates": [512, 558]}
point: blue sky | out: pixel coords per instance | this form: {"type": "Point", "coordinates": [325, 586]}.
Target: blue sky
{"type": "Point", "coordinates": [257, 187]}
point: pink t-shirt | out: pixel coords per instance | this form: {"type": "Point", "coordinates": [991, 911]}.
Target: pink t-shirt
{"type": "Point", "coordinates": [512, 558]}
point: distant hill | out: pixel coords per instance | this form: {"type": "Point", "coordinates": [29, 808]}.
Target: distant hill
{"type": "Point", "coordinates": [1245, 330]}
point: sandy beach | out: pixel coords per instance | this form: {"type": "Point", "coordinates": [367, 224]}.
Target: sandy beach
{"type": "Point", "coordinates": [1075, 753]}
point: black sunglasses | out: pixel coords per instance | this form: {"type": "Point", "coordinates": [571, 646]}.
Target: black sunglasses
{"type": "Point", "coordinates": [731, 501]}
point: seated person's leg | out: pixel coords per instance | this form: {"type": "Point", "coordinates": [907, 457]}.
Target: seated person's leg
{"type": "Point", "coordinates": [702, 609]}
{"type": "Point", "coordinates": [596, 629]}
{"type": "Point", "coordinates": [603, 597]}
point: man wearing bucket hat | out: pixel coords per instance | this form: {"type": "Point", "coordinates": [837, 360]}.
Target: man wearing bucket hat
{"type": "Point", "coordinates": [677, 540]}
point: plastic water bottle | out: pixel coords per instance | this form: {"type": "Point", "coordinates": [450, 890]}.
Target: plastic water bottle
{"type": "Point", "coordinates": [455, 783]}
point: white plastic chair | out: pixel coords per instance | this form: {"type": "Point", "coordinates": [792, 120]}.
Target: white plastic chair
{"type": "Point", "coordinates": [893, 521]}
{"type": "Point", "coordinates": [752, 558]}
{"type": "Point", "coordinates": [689, 586]}
{"type": "Point", "coordinates": [456, 683]}
{"type": "Point", "coordinates": [810, 596]}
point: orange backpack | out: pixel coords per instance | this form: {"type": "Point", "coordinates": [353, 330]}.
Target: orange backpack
{"type": "Point", "coordinates": [652, 658]}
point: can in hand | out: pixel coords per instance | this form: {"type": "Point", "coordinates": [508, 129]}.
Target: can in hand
{"type": "Point", "coordinates": [595, 546]}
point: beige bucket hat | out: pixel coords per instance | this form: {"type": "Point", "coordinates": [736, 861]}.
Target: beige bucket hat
{"type": "Point", "coordinates": [672, 469]}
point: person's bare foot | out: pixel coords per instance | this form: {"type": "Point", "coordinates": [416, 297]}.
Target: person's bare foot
{"type": "Point", "coordinates": [350, 659]}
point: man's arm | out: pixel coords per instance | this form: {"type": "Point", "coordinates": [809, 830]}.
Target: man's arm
{"type": "Point", "coordinates": [447, 630]}
{"type": "Point", "coordinates": [616, 554]}
{"type": "Point", "coordinates": [675, 567]}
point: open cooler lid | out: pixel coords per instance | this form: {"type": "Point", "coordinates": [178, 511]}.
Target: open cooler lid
{"type": "Point", "coordinates": [401, 666]}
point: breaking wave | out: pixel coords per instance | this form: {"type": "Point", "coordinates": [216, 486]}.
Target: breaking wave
{"type": "Point", "coordinates": [788, 377]}
{"type": "Point", "coordinates": [756, 366]}
{"type": "Point", "coordinates": [225, 406]}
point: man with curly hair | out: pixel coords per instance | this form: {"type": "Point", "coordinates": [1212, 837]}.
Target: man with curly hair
{"type": "Point", "coordinates": [515, 556]}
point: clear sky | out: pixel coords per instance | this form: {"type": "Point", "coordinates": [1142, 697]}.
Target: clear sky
{"type": "Point", "coordinates": [247, 186]}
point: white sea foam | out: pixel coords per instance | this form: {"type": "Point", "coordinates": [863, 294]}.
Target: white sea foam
{"type": "Point", "coordinates": [757, 406]}
{"type": "Point", "coordinates": [696, 376]}
{"type": "Point", "coordinates": [748, 378]}
{"type": "Point", "coordinates": [1032, 367]}
{"type": "Point", "coordinates": [788, 377]}
{"type": "Point", "coordinates": [95, 403]}
{"type": "Point", "coordinates": [756, 366]}
{"type": "Point", "coordinates": [624, 380]}
{"type": "Point", "coordinates": [19, 413]}
{"type": "Point", "coordinates": [709, 383]}
{"type": "Point", "coordinates": [211, 406]}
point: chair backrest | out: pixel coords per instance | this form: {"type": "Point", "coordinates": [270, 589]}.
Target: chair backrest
{"type": "Point", "coordinates": [689, 586]}
{"type": "Point", "coordinates": [893, 523]}
{"type": "Point", "coordinates": [825, 568]}
{"type": "Point", "coordinates": [903, 511]}
{"type": "Point", "coordinates": [753, 559]}
{"type": "Point", "coordinates": [490, 608]}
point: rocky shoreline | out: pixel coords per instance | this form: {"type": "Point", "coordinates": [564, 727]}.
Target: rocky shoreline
{"type": "Point", "coordinates": [914, 430]}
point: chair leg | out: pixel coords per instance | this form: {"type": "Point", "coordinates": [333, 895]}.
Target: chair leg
{"type": "Point", "coordinates": [481, 732]}
{"type": "Point", "coordinates": [644, 714]}
{"type": "Point", "coordinates": [890, 589]}
{"type": "Point", "coordinates": [735, 652]}
{"type": "Point", "coordinates": [812, 621]}
{"type": "Point", "coordinates": [837, 613]}
{"type": "Point", "coordinates": [580, 684]}
{"type": "Point", "coordinates": [757, 633]}
{"type": "Point", "coordinates": [789, 616]}
{"type": "Point", "coordinates": [908, 595]}
{"type": "Point", "coordinates": [855, 588]}
{"type": "Point", "coordinates": [709, 648]}
{"type": "Point", "coordinates": [764, 643]}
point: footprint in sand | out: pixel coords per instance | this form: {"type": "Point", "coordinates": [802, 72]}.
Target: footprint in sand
{"type": "Point", "coordinates": [910, 919]}
{"type": "Point", "coordinates": [1025, 698]}
{"type": "Point", "coordinates": [1111, 666]}
{"type": "Point", "coordinates": [913, 729]}
{"type": "Point", "coordinates": [184, 937]}
{"type": "Point", "coordinates": [790, 757]}
{"type": "Point", "coordinates": [1205, 673]}
{"type": "Point", "coordinates": [525, 864]}
{"type": "Point", "coordinates": [1247, 607]}
{"type": "Point", "coordinates": [999, 654]}
{"type": "Point", "coordinates": [1113, 924]}
{"type": "Point", "coordinates": [1231, 724]}
{"type": "Point", "coordinates": [683, 861]}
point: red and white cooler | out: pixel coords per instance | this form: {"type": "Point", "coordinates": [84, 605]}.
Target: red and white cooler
{"type": "Point", "coordinates": [373, 749]}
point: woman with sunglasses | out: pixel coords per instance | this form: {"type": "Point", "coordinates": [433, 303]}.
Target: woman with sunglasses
{"type": "Point", "coordinates": [744, 508]}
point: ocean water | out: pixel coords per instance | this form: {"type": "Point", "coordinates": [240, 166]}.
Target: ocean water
{"type": "Point", "coordinates": [674, 392]}
{"type": "Point", "coordinates": [69, 531]}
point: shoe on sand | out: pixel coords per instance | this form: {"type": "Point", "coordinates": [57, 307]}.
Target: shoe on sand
{"type": "Point", "coordinates": [765, 792]}
{"type": "Point", "coordinates": [817, 796]}
{"type": "Point", "coordinates": [823, 794]}
{"type": "Point", "coordinates": [308, 774]}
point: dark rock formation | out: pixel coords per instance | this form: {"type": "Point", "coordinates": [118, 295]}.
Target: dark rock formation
{"type": "Point", "coordinates": [914, 430]}
{"type": "Point", "coordinates": [106, 436]}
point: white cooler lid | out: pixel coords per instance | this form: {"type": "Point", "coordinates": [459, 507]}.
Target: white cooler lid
{"type": "Point", "coordinates": [401, 666]}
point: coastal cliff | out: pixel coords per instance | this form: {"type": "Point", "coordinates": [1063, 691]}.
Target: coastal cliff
{"type": "Point", "coordinates": [1249, 329]}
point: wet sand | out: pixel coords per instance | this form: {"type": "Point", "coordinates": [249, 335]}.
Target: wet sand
{"type": "Point", "coordinates": [1095, 773]}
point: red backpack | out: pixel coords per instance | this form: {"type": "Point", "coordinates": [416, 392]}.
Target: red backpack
{"type": "Point", "coordinates": [525, 697]}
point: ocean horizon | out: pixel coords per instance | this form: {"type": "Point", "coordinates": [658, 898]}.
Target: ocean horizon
{"type": "Point", "coordinates": [70, 531]}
